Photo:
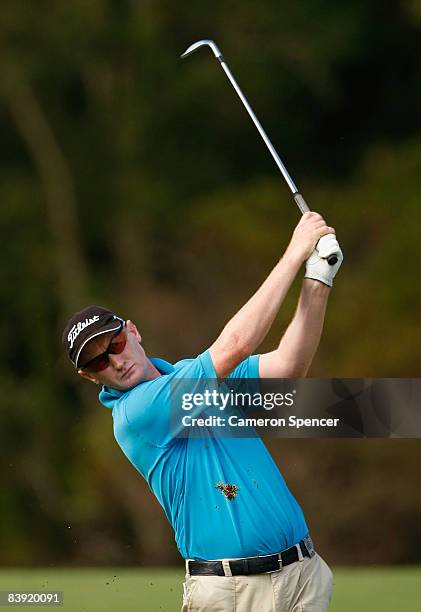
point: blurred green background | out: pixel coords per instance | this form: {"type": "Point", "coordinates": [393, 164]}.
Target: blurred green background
{"type": "Point", "coordinates": [159, 590]}
{"type": "Point", "coordinates": [136, 180]}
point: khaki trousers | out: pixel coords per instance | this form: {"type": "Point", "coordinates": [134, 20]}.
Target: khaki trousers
{"type": "Point", "coordinates": [303, 586]}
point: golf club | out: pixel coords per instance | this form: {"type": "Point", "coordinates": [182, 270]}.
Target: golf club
{"type": "Point", "coordinates": [299, 200]}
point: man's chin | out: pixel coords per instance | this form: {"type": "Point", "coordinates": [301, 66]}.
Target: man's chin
{"type": "Point", "coordinates": [132, 380]}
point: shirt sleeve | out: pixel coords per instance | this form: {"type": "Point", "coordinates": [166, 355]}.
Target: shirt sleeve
{"type": "Point", "coordinates": [154, 410]}
{"type": "Point", "coordinates": [249, 368]}
{"type": "Point", "coordinates": [201, 367]}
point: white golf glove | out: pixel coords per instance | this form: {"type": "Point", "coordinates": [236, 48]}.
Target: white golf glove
{"type": "Point", "coordinates": [317, 266]}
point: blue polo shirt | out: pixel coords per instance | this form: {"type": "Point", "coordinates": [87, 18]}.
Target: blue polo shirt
{"type": "Point", "coordinates": [186, 473]}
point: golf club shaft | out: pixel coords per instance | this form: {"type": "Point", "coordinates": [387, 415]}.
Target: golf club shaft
{"type": "Point", "coordinates": [260, 129]}
{"type": "Point", "coordinates": [298, 198]}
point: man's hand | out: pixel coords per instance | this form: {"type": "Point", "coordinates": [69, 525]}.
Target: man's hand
{"type": "Point", "coordinates": [308, 232]}
{"type": "Point", "coordinates": [317, 266]}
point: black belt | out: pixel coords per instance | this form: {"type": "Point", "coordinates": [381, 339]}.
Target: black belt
{"type": "Point", "coordinates": [252, 565]}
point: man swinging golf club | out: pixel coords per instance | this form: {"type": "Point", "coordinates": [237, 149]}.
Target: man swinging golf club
{"type": "Point", "coordinates": [240, 530]}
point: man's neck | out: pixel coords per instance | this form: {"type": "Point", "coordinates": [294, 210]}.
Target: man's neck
{"type": "Point", "coordinates": [151, 371]}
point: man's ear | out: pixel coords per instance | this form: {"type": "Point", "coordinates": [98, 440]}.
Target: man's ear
{"type": "Point", "coordinates": [131, 327]}
{"type": "Point", "coordinates": [88, 376]}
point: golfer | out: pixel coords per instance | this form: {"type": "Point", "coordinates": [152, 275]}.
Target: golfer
{"type": "Point", "coordinates": [240, 530]}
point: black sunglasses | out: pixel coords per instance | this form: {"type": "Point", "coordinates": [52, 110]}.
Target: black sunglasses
{"type": "Point", "coordinates": [115, 347]}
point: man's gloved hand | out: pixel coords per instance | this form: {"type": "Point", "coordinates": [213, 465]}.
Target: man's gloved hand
{"type": "Point", "coordinates": [317, 266]}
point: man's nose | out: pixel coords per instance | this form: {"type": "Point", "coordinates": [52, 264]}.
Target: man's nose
{"type": "Point", "coordinates": [116, 361]}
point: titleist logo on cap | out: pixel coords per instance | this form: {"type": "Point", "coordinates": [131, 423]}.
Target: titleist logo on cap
{"type": "Point", "coordinates": [85, 325]}
{"type": "Point", "coordinates": [76, 329]}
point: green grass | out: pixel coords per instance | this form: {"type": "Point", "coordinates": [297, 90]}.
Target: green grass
{"type": "Point", "coordinates": [396, 589]}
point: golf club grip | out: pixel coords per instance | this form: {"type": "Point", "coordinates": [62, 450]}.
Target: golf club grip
{"type": "Point", "coordinates": [302, 205]}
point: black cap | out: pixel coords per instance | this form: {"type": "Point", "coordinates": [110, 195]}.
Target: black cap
{"type": "Point", "coordinates": [86, 325]}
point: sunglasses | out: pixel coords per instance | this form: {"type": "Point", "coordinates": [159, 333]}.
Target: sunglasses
{"type": "Point", "coordinates": [116, 346]}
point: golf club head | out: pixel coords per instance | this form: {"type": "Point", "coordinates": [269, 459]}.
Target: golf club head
{"type": "Point", "coordinates": [200, 43]}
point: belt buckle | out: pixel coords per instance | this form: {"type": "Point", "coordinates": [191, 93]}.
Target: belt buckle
{"type": "Point", "coordinates": [308, 542]}
{"type": "Point", "coordinates": [280, 560]}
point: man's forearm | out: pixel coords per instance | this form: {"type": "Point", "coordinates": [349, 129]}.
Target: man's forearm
{"type": "Point", "coordinates": [301, 339]}
{"type": "Point", "coordinates": [246, 330]}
